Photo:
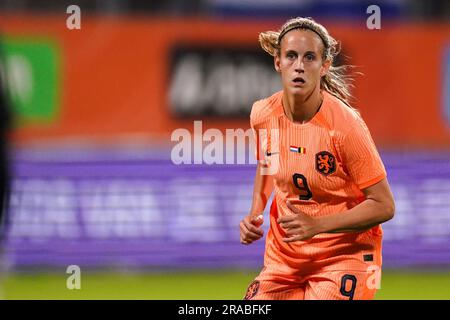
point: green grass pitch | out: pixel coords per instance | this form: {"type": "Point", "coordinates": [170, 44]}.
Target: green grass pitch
{"type": "Point", "coordinates": [208, 285]}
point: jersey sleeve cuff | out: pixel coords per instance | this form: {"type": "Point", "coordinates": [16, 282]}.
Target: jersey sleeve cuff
{"type": "Point", "coordinates": [371, 182]}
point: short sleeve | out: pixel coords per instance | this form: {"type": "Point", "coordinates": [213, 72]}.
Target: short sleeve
{"type": "Point", "coordinates": [360, 156]}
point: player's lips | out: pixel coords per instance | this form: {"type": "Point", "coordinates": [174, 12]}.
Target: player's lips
{"type": "Point", "coordinates": [298, 81]}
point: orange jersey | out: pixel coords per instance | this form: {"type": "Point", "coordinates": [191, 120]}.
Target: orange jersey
{"type": "Point", "coordinates": [320, 167]}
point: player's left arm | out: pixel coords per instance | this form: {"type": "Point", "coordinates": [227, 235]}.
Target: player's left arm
{"type": "Point", "coordinates": [378, 207]}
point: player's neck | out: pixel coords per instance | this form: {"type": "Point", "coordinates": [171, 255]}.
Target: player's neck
{"type": "Point", "coordinates": [301, 109]}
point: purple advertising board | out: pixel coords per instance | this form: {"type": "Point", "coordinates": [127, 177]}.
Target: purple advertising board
{"type": "Point", "coordinates": [125, 209]}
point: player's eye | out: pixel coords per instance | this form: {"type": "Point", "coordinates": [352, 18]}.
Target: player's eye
{"type": "Point", "coordinates": [309, 57]}
{"type": "Point", "coordinates": [291, 55]}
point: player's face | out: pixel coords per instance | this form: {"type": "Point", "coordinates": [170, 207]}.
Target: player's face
{"type": "Point", "coordinates": [300, 62]}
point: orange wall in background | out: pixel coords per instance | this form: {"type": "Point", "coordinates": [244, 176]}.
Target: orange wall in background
{"type": "Point", "coordinates": [115, 75]}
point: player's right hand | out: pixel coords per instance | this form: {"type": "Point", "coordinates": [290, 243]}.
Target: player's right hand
{"type": "Point", "coordinates": [251, 229]}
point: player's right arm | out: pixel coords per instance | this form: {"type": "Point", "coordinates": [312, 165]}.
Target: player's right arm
{"type": "Point", "coordinates": [250, 226]}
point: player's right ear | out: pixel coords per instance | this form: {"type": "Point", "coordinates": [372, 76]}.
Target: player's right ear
{"type": "Point", "coordinates": [276, 62]}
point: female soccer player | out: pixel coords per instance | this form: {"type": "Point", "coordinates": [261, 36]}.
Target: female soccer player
{"type": "Point", "coordinates": [331, 191]}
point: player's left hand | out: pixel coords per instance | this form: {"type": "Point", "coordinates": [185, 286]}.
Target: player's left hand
{"type": "Point", "coordinates": [298, 226]}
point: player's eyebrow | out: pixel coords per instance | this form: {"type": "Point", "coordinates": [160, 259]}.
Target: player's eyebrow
{"type": "Point", "coordinates": [290, 51]}
{"type": "Point", "coordinates": [296, 52]}
{"type": "Point", "coordinates": [310, 52]}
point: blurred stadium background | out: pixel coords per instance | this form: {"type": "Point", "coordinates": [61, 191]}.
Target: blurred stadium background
{"type": "Point", "coordinates": [93, 110]}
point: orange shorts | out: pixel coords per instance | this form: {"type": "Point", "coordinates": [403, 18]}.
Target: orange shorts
{"type": "Point", "coordinates": [330, 285]}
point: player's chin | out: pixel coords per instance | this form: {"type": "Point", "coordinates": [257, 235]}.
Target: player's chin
{"type": "Point", "coordinates": [299, 91]}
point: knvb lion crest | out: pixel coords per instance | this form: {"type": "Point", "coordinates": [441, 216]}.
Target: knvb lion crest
{"type": "Point", "coordinates": [325, 163]}
{"type": "Point", "coordinates": [252, 290]}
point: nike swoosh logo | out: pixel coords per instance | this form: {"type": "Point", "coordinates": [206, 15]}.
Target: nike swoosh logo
{"type": "Point", "coordinates": [271, 153]}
